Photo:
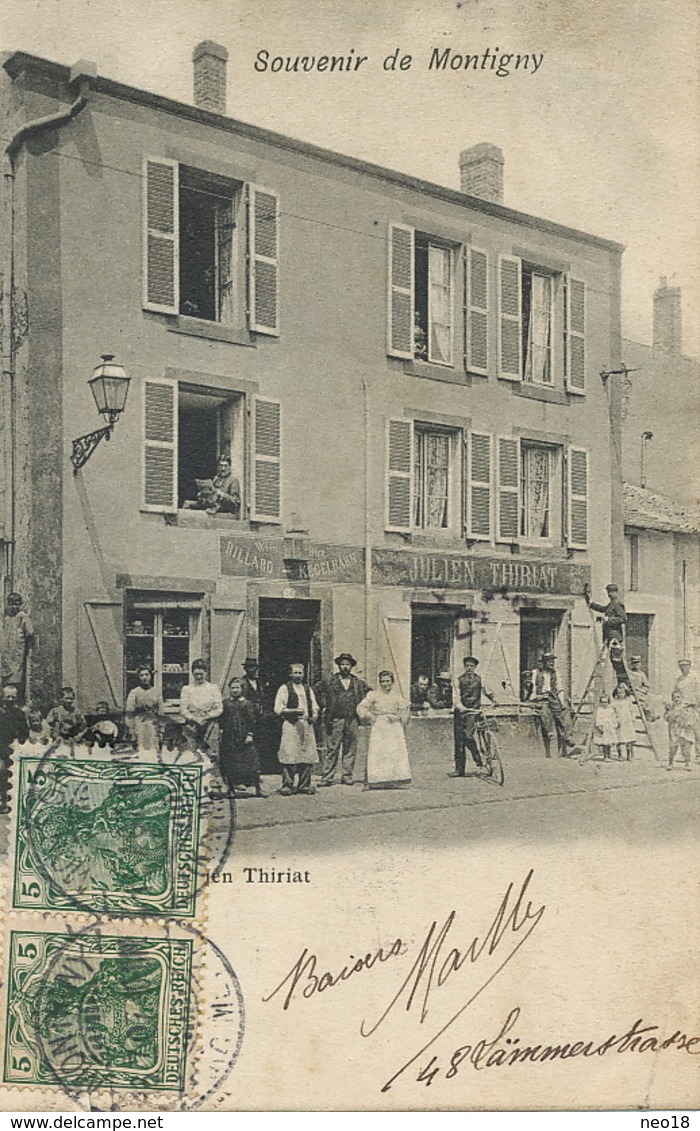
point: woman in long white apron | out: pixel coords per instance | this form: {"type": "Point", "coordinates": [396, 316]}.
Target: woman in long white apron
{"type": "Point", "coordinates": [387, 756]}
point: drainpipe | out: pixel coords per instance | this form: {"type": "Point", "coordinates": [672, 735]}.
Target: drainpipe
{"type": "Point", "coordinates": [368, 531]}
{"type": "Point", "coordinates": [81, 73]}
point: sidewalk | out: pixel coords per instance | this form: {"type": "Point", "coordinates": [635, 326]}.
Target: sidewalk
{"type": "Point", "coordinates": [528, 774]}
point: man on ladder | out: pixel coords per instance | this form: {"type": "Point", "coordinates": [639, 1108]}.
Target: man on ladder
{"type": "Point", "coordinates": [614, 615]}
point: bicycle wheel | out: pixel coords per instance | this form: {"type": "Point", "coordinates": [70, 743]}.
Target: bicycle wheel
{"type": "Point", "coordinates": [493, 764]}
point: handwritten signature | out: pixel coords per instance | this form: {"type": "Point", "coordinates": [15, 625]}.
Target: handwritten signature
{"type": "Point", "coordinates": [438, 959]}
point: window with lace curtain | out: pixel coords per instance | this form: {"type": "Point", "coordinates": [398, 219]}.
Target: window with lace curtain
{"type": "Point", "coordinates": [433, 488]}
{"type": "Point", "coordinates": [540, 494]}
{"type": "Point", "coordinates": [537, 295]}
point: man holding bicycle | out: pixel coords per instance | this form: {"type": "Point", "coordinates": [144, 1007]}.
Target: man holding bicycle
{"type": "Point", "coordinates": [466, 715]}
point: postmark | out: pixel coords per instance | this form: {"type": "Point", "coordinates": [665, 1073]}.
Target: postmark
{"type": "Point", "coordinates": [118, 1020]}
{"type": "Point", "coordinates": [117, 835]}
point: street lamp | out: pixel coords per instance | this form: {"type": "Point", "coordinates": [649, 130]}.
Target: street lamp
{"type": "Point", "coordinates": [646, 436]}
{"type": "Point", "coordinates": [109, 385]}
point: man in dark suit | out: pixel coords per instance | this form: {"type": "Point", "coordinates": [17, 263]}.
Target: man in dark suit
{"type": "Point", "coordinates": [343, 693]}
{"type": "Point", "coordinates": [13, 727]}
{"type": "Point", "coordinates": [466, 711]}
{"type": "Point", "coordinates": [614, 615]}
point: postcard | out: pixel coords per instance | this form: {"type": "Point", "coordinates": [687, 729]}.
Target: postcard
{"type": "Point", "coordinates": [350, 714]}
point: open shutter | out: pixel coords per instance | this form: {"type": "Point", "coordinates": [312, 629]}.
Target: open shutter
{"type": "Point", "coordinates": [160, 444]}
{"type": "Point", "coordinates": [578, 498]}
{"type": "Point", "coordinates": [401, 291]}
{"type": "Point", "coordinates": [510, 318]}
{"type": "Point", "coordinates": [267, 455]}
{"type": "Point", "coordinates": [399, 475]}
{"type": "Point", "coordinates": [477, 311]}
{"type": "Point", "coordinates": [228, 640]}
{"type": "Point", "coordinates": [508, 489]}
{"type": "Point", "coordinates": [479, 486]}
{"type": "Point", "coordinates": [263, 260]}
{"type": "Point", "coordinates": [161, 269]}
{"type": "Point", "coordinates": [100, 650]}
{"type": "Point", "coordinates": [575, 335]}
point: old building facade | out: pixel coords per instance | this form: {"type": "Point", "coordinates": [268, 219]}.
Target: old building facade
{"type": "Point", "coordinates": [407, 379]}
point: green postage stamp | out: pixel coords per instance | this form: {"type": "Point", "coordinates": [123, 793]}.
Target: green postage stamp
{"type": "Point", "coordinates": [106, 837]}
{"type": "Point", "coordinates": [92, 1011]}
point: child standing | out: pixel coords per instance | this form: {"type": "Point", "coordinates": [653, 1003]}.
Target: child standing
{"type": "Point", "coordinates": [681, 733]}
{"type": "Point", "coordinates": [606, 726]}
{"type": "Point", "coordinates": [626, 729]}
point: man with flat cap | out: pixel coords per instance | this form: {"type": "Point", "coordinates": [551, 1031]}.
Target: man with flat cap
{"type": "Point", "coordinates": [614, 615]}
{"type": "Point", "coordinates": [343, 693]}
{"type": "Point", "coordinates": [552, 709]}
{"type": "Point", "coordinates": [470, 691]}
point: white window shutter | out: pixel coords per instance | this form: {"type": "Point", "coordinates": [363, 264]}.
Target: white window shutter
{"type": "Point", "coordinates": [477, 311]}
{"type": "Point", "coordinates": [508, 489]}
{"type": "Point", "coordinates": [399, 475]}
{"type": "Point", "coordinates": [479, 486]}
{"type": "Point", "coordinates": [161, 267]}
{"type": "Point", "coordinates": [267, 460]}
{"type": "Point", "coordinates": [160, 433]}
{"type": "Point", "coordinates": [263, 260]}
{"type": "Point", "coordinates": [575, 335]}
{"type": "Point", "coordinates": [510, 339]}
{"type": "Point", "coordinates": [577, 501]}
{"type": "Point", "coordinates": [401, 301]}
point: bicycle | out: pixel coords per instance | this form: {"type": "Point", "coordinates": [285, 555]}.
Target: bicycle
{"type": "Point", "coordinates": [491, 768]}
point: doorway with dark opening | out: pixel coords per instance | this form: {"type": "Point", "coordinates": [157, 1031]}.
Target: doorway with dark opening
{"type": "Point", "coordinates": [539, 630]}
{"type": "Point", "coordinates": [289, 632]}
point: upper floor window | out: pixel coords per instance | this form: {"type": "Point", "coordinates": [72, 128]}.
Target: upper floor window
{"type": "Point", "coordinates": [188, 428]}
{"type": "Point", "coordinates": [423, 477]}
{"type": "Point", "coordinates": [210, 247]}
{"type": "Point", "coordinates": [435, 485]}
{"type": "Point", "coordinates": [421, 298]}
{"type": "Point", "coordinates": [540, 494]}
{"type": "Point", "coordinates": [542, 325]}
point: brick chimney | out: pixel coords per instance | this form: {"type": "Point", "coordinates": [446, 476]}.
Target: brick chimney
{"type": "Point", "coordinates": [481, 171]}
{"type": "Point", "coordinates": [667, 318]}
{"type": "Point", "coordinates": [210, 76]}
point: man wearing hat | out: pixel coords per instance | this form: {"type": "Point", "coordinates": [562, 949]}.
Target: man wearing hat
{"type": "Point", "coordinates": [688, 687]}
{"type": "Point", "coordinates": [464, 720]}
{"type": "Point", "coordinates": [614, 615]}
{"type": "Point", "coordinates": [252, 689]}
{"type": "Point", "coordinates": [552, 709]}
{"type": "Point", "coordinates": [343, 693]}
{"type": "Point", "coordinates": [639, 682]}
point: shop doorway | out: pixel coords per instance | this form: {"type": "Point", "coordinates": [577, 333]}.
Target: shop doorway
{"type": "Point", "coordinates": [637, 637]}
{"type": "Point", "coordinates": [539, 629]}
{"type": "Point", "coordinates": [289, 632]}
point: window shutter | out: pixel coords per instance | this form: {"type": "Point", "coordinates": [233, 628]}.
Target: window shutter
{"type": "Point", "coordinates": [510, 318]}
{"type": "Point", "coordinates": [161, 269]}
{"type": "Point", "coordinates": [267, 454]}
{"type": "Point", "coordinates": [160, 445]}
{"type": "Point", "coordinates": [477, 311]}
{"type": "Point", "coordinates": [578, 498]}
{"type": "Point", "coordinates": [575, 335]}
{"type": "Point", "coordinates": [399, 480]}
{"type": "Point", "coordinates": [479, 486]}
{"type": "Point", "coordinates": [401, 291]}
{"type": "Point", "coordinates": [263, 260]}
{"type": "Point", "coordinates": [508, 488]}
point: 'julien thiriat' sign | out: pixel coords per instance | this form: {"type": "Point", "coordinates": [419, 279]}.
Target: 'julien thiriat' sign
{"type": "Point", "coordinates": [247, 556]}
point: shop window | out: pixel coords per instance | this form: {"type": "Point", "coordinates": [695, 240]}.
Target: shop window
{"type": "Point", "coordinates": [164, 633]}
{"type": "Point", "coordinates": [187, 427]}
{"type": "Point", "coordinates": [421, 318]}
{"type": "Point", "coordinates": [432, 641]}
{"type": "Point", "coordinates": [210, 247]}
